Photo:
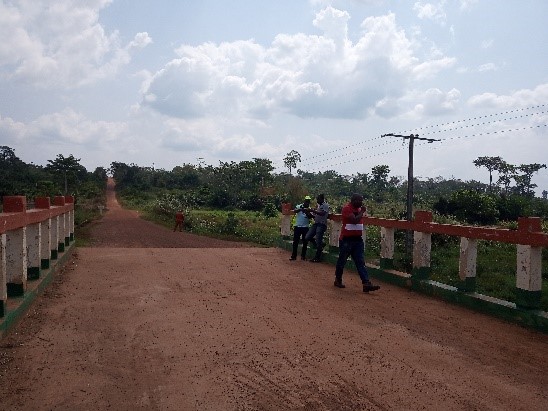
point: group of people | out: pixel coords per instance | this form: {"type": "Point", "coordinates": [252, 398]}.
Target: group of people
{"type": "Point", "coordinates": [350, 240]}
{"type": "Point", "coordinates": [302, 230]}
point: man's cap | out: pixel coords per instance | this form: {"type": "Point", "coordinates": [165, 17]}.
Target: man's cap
{"type": "Point", "coordinates": [308, 198]}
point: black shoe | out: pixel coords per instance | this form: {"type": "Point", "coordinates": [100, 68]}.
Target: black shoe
{"type": "Point", "coordinates": [292, 258]}
{"type": "Point", "coordinates": [370, 287]}
{"type": "Point", "coordinates": [339, 284]}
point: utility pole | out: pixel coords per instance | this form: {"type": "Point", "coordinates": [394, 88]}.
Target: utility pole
{"type": "Point", "coordinates": [409, 211]}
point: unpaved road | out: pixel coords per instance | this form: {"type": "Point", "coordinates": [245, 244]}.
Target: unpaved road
{"type": "Point", "coordinates": [209, 325]}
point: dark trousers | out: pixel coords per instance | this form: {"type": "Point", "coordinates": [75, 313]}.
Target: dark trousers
{"type": "Point", "coordinates": [352, 246]}
{"type": "Point", "coordinates": [298, 234]}
{"type": "Point", "coordinates": [315, 234]}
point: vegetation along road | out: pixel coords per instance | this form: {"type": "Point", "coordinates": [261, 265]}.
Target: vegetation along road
{"type": "Point", "coordinates": [146, 318]}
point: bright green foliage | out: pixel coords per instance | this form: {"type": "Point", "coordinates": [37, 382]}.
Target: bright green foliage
{"type": "Point", "coordinates": [473, 207]}
{"type": "Point", "coordinates": [67, 170]}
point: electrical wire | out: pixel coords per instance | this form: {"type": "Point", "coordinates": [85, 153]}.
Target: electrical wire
{"type": "Point", "coordinates": [327, 160]}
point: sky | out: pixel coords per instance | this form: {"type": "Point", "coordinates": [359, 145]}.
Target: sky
{"type": "Point", "coordinates": [161, 83]}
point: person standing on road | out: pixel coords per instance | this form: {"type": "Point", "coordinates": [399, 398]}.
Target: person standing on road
{"type": "Point", "coordinates": [316, 232]}
{"type": "Point", "coordinates": [179, 220]}
{"type": "Point", "coordinates": [351, 242]}
{"type": "Point", "coordinates": [302, 223]}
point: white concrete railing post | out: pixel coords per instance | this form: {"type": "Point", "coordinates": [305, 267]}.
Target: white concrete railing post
{"type": "Point", "coordinates": [529, 266]}
{"type": "Point", "coordinates": [44, 203]}
{"type": "Point", "coordinates": [285, 227]}
{"type": "Point", "coordinates": [63, 231]}
{"type": "Point", "coordinates": [61, 225]}
{"type": "Point", "coordinates": [334, 234]}
{"type": "Point", "coordinates": [16, 247]}
{"type": "Point", "coordinates": [55, 237]}
{"type": "Point", "coordinates": [387, 248]}
{"type": "Point", "coordinates": [467, 263]}
{"type": "Point", "coordinates": [422, 247]}
{"type": "Point", "coordinates": [71, 225]}
{"type": "Point", "coordinates": [45, 246]}
{"type": "Point", "coordinates": [16, 261]}
{"type": "Point", "coordinates": [33, 246]}
{"type": "Point", "coordinates": [529, 276]}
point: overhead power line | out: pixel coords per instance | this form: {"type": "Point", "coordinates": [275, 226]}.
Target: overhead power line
{"type": "Point", "coordinates": [485, 123]}
{"type": "Point", "coordinates": [345, 154]}
{"type": "Point", "coordinates": [329, 159]}
{"type": "Point", "coordinates": [495, 132]}
{"type": "Point", "coordinates": [340, 149]}
{"type": "Point", "coordinates": [454, 126]}
{"type": "Point", "coordinates": [476, 118]}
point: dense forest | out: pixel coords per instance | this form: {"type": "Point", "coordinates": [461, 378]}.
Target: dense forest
{"type": "Point", "coordinates": [252, 185]}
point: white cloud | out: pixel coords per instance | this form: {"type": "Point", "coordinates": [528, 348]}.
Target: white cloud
{"type": "Point", "coordinates": [237, 144]}
{"type": "Point", "coordinates": [431, 11]}
{"type": "Point", "coordinates": [183, 135]}
{"type": "Point", "coordinates": [11, 131]}
{"type": "Point", "coordinates": [418, 104]}
{"type": "Point", "coordinates": [66, 126]}
{"type": "Point", "coordinates": [467, 4]}
{"type": "Point", "coordinates": [519, 98]}
{"type": "Point", "coordinates": [431, 67]}
{"type": "Point", "coordinates": [487, 67]}
{"type": "Point", "coordinates": [59, 44]}
{"type": "Point", "coordinates": [304, 75]}
{"type": "Point", "coordinates": [434, 102]}
{"type": "Point", "coordinates": [485, 44]}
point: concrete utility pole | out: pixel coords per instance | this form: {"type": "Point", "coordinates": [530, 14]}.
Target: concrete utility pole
{"type": "Point", "coordinates": [409, 211]}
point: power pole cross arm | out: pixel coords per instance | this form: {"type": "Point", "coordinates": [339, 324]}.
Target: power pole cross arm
{"type": "Point", "coordinates": [409, 213]}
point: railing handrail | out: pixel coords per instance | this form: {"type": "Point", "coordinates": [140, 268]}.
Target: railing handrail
{"type": "Point", "coordinates": [21, 216]}
{"type": "Point", "coordinates": [529, 230]}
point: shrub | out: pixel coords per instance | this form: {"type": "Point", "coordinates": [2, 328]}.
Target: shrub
{"type": "Point", "coordinates": [270, 210]}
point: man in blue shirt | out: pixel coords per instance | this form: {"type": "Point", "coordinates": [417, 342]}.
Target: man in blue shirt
{"type": "Point", "coordinates": [302, 223]}
{"type": "Point", "coordinates": [316, 232]}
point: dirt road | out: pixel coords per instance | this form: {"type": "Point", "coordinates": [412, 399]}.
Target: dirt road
{"type": "Point", "coordinates": [151, 319]}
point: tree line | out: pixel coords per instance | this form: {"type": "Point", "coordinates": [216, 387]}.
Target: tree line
{"type": "Point", "coordinates": [61, 176]}
{"type": "Point", "coordinates": [253, 185]}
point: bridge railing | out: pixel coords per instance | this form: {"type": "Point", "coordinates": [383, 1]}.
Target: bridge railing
{"type": "Point", "coordinates": [30, 239]}
{"type": "Point", "coordinates": [528, 238]}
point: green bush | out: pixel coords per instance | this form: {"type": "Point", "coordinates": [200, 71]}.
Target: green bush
{"type": "Point", "coordinates": [270, 210]}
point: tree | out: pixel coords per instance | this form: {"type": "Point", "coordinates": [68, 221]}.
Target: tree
{"type": "Point", "coordinates": [506, 173]}
{"type": "Point", "coordinates": [491, 164]}
{"type": "Point", "coordinates": [68, 166]}
{"type": "Point", "coordinates": [379, 180]}
{"type": "Point", "coordinates": [523, 182]}
{"type": "Point", "coordinates": [291, 160]}
{"type": "Point", "coordinates": [11, 172]}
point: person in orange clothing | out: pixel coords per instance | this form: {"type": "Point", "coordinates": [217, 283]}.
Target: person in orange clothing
{"type": "Point", "coordinates": [179, 220]}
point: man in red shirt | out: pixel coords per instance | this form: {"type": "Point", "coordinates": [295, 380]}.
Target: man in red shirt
{"type": "Point", "coordinates": [351, 242]}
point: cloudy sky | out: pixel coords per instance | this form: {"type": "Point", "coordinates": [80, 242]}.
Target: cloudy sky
{"type": "Point", "coordinates": [166, 82]}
